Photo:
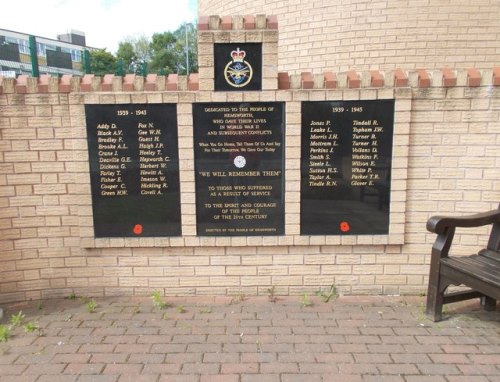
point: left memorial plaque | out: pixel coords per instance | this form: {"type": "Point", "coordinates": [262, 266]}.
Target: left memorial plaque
{"type": "Point", "coordinates": [134, 169]}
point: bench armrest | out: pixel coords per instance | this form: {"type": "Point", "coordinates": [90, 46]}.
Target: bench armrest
{"type": "Point", "coordinates": [438, 224]}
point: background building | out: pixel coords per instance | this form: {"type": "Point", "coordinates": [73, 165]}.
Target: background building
{"type": "Point", "coordinates": [56, 57]}
{"type": "Point", "coordinates": [335, 35]}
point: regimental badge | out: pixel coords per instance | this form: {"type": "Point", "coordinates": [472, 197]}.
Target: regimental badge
{"type": "Point", "coordinates": [238, 72]}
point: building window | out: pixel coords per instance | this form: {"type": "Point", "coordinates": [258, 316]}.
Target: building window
{"type": "Point", "coordinates": [76, 55]}
{"type": "Point", "coordinates": [41, 49]}
{"type": "Point", "coordinates": [24, 46]}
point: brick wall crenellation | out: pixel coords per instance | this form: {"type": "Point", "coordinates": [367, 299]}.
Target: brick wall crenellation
{"type": "Point", "coordinates": [418, 78]}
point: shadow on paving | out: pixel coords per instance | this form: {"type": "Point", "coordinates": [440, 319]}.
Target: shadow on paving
{"type": "Point", "coordinates": [248, 339]}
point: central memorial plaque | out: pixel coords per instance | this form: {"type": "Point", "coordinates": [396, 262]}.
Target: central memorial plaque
{"type": "Point", "coordinates": [239, 152]}
{"type": "Point", "coordinates": [346, 167]}
{"type": "Point", "coordinates": [134, 169]}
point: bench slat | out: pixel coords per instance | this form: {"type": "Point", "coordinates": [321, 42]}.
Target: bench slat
{"type": "Point", "coordinates": [494, 255]}
{"type": "Point", "coordinates": [472, 281]}
{"type": "Point", "coordinates": [481, 267]}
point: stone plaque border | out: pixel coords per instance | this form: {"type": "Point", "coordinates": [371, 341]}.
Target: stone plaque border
{"type": "Point", "coordinates": [293, 99]}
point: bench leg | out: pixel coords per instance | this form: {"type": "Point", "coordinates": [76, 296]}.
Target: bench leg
{"type": "Point", "coordinates": [489, 304]}
{"type": "Point", "coordinates": [435, 292]}
{"type": "Point", "coordinates": [434, 304]}
{"type": "Point", "coordinates": [437, 283]}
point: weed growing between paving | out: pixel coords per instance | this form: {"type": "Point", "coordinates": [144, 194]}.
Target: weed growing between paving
{"type": "Point", "coordinates": [4, 333]}
{"type": "Point", "coordinates": [327, 296]}
{"type": "Point", "coordinates": [158, 302]}
{"type": "Point", "coordinates": [30, 327]}
{"type": "Point", "coordinates": [305, 301]}
{"type": "Point", "coordinates": [181, 309]}
{"type": "Point", "coordinates": [17, 319]}
{"type": "Point", "coordinates": [272, 294]}
{"type": "Point", "coordinates": [91, 306]}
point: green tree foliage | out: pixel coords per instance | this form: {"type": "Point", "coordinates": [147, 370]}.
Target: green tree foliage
{"type": "Point", "coordinates": [173, 51]}
{"type": "Point", "coordinates": [102, 62]}
{"type": "Point", "coordinates": [126, 53]}
{"type": "Point", "coordinates": [163, 58]}
{"type": "Point", "coordinates": [165, 53]}
{"type": "Point", "coordinates": [135, 54]}
{"type": "Point", "coordinates": [187, 43]}
{"type": "Point", "coordinates": [142, 49]}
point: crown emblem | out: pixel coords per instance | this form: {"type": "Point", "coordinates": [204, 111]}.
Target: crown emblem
{"type": "Point", "coordinates": [238, 55]}
{"type": "Point", "coordinates": [238, 72]}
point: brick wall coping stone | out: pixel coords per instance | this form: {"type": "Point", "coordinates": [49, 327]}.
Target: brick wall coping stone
{"type": "Point", "coordinates": [419, 78]}
{"type": "Point", "coordinates": [247, 22]}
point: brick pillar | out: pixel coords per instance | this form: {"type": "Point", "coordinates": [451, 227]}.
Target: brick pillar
{"type": "Point", "coordinates": [238, 29]}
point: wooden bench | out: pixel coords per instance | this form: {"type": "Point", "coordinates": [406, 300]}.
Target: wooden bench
{"type": "Point", "coordinates": [480, 272]}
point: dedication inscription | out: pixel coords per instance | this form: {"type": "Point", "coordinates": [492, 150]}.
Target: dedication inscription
{"type": "Point", "coordinates": [346, 167]}
{"type": "Point", "coordinates": [239, 151]}
{"type": "Point", "coordinates": [134, 169]}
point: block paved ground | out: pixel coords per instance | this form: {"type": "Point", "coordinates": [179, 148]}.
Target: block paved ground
{"type": "Point", "coordinates": [207, 339]}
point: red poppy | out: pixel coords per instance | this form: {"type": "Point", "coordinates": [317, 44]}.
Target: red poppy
{"type": "Point", "coordinates": [137, 229]}
{"type": "Point", "coordinates": [344, 226]}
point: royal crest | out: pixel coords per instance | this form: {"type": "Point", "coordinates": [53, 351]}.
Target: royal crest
{"type": "Point", "coordinates": [238, 72]}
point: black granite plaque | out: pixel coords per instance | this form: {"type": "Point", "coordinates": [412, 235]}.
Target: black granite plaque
{"type": "Point", "coordinates": [239, 151]}
{"type": "Point", "coordinates": [346, 167]}
{"type": "Point", "coordinates": [238, 67]}
{"type": "Point", "coordinates": [134, 169]}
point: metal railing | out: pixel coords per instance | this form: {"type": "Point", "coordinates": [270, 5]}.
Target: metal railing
{"type": "Point", "coordinates": [30, 57]}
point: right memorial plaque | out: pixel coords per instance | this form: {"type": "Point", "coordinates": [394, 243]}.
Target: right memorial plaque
{"type": "Point", "coordinates": [346, 167]}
